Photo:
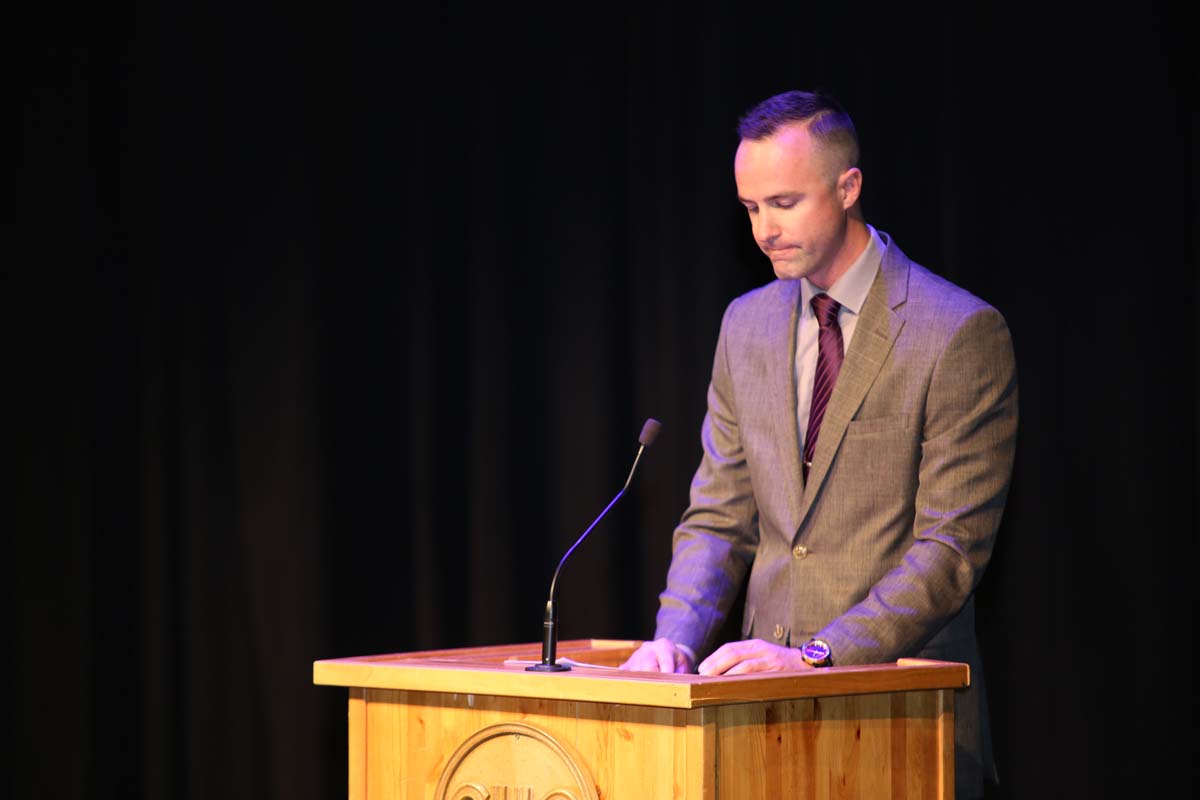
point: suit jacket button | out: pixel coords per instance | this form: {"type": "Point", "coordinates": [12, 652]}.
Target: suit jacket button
{"type": "Point", "coordinates": [800, 551]}
{"type": "Point", "coordinates": [778, 631]}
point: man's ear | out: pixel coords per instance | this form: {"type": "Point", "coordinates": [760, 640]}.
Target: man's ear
{"type": "Point", "coordinates": [849, 186]}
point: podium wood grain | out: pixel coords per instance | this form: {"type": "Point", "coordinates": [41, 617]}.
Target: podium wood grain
{"type": "Point", "coordinates": [883, 731]}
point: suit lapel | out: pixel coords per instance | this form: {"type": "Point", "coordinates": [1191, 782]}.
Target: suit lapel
{"type": "Point", "coordinates": [874, 335]}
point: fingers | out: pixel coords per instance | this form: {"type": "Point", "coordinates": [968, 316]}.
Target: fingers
{"type": "Point", "coordinates": [734, 658]}
{"type": "Point", "coordinates": [754, 665]}
{"type": "Point", "coordinates": [724, 658]}
{"type": "Point", "coordinates": [753, 655]}
{"type": "Point", "coordinates": [642, 660]}
{"type": "Point", "coordinates": [664, 653]}
{"type": "Point", "coordinates": [661, 655]}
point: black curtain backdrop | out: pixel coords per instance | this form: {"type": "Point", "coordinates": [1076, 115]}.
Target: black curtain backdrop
{"type": "Point", "coordinates": [330, 328]}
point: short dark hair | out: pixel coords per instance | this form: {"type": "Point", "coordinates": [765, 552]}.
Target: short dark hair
{"type": "Point", "coordinates": [829, 123]}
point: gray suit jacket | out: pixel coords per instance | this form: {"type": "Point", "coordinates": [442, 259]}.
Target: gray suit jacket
{"type": "Point", "coordinates": [880, 551]}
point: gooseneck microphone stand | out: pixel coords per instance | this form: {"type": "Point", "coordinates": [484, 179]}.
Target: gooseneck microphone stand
{"type": "Point", "coordinates": [549, 662]}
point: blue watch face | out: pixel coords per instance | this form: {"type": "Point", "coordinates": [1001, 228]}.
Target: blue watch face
{"type": "Point", "coordinates": [816, 651]}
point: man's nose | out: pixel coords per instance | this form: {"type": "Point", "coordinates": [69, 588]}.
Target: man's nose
{"type": "Point", "coordinates": [766, 227]}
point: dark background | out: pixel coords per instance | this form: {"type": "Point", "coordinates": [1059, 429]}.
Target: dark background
{"type": "Point", "coordinates": [328, 329]}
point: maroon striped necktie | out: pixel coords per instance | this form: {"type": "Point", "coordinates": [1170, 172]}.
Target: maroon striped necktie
{"type": "Point", "coordinates": [829, 363]}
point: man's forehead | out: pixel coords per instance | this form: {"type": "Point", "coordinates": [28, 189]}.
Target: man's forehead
{"type": "Point", "coordinates": [777, 164]}
{"type": "Point", "coordinates": [787, 145]}
{"type": "Point", "coordinates": [786, 153]}
{"type": "Point", "coordinates": [793, 135]}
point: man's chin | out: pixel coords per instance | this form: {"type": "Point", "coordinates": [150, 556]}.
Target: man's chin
{"type": "Point", "coordinates": [789, 270]}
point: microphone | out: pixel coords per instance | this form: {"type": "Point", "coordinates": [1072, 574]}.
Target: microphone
{"type": "Point", "coordinates": [549, 634]}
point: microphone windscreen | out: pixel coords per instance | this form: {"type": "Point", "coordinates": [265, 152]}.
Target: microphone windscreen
{"type": "Point", "coordinates": [649, 432]}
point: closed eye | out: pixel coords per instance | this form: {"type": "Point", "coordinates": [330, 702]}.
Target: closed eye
{"type": "Point", "coordinates": [782, 201]}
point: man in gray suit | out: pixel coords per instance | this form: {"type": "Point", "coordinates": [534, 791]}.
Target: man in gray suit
{"type": "Point", "coordinates": [858, 444]}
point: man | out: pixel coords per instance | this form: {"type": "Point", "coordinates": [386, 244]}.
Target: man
{"type": "Point", "coordinates": [858, 443]}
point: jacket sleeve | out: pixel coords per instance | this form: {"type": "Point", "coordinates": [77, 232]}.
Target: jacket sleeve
{"type": "Point", "coordinates": [716, 539]}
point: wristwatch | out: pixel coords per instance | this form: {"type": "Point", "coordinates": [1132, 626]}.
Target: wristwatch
{"type": "Point", "coordinates": [817, 653]}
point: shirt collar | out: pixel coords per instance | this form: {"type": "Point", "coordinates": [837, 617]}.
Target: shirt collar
{"type": "Point", "coordinates": [851, 289]}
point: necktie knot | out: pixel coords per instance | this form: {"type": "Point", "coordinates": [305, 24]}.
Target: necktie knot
{"type": "Point", "coordinates": [826, 309]}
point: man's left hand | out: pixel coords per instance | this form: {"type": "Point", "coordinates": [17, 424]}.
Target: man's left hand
{"type": "Point", "coordinates": [752, 655]}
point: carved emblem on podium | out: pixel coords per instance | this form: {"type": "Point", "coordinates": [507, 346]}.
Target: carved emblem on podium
{"type": "Point", "coordinates": [514, 761]}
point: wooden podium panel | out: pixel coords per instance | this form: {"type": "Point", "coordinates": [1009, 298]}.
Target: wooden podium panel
{"type": "Point", "coordinates": [472, 723]}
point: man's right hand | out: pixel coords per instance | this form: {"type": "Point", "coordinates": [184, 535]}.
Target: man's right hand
{"type": "Point", "coordinates": [661, 655]}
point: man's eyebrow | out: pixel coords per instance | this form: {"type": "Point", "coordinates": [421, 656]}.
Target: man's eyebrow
{"type": "Point", "coordinates": [777, 196]}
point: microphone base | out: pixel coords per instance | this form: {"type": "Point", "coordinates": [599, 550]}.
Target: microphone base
{"type": "Point", "coordinates": [548, 668]}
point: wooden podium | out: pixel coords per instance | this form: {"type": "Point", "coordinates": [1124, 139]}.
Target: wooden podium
{"type": "Point", "coordinates": [472, 724]}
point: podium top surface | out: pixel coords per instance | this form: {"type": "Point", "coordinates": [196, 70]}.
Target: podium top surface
{"type": "Point", "coordinates": [594, 678]}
